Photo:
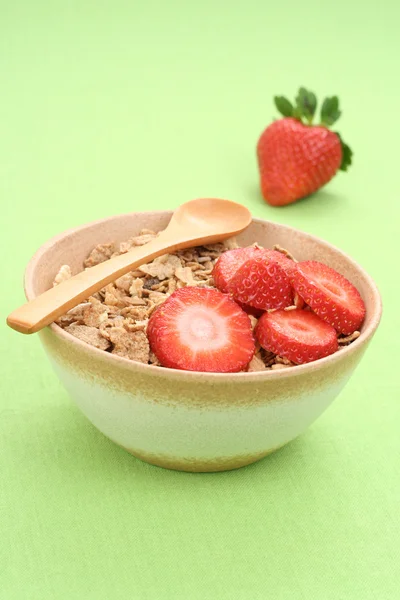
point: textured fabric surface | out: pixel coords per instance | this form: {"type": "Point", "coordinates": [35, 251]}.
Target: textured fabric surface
{"type": "Point", "coordinates": [108, 107]}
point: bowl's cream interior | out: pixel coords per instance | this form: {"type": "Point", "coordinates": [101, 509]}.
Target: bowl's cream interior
{"type": "Point", "coordinates": [73, 246]}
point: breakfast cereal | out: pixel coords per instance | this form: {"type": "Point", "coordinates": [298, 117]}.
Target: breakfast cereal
{"type": "Point", "coordinates": [115, 319]}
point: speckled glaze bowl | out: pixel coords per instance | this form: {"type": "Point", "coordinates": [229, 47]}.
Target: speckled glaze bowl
{"type": "Point", "coordinates": [195, 421]}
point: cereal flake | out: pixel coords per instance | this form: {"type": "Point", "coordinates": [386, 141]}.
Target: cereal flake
{"type": "Point", "coordinates": [90, 335]}
{"type": "Point", "coordinates": [162, 267]}
{"type": "Point", "coordinates": [185, 275]}
{"type": "Point", "coordinates": [256, 364]}
{"type": "Point", "coordinates": [99, 254]}
{"type": "Point", "coordinates": [132, 345]}
{"type": "Point", "coordinates": [63, 274]}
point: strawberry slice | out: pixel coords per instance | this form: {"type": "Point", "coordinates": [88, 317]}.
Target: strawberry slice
{"type": "Point", "coordinates": [201, 329]}
{"type": "Point", "coordinates": [229, 262]}
{"type": "Point", "coordinates": [261, 283]}
{"type": "Point", "coordinates": [330, 295]}
{"type": "Point", "coordinates": [298, 335]}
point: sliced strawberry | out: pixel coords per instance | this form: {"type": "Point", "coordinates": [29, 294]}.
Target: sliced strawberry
{"type": "Point", "coordinates": [330, 295]}
{"type": "Point", "coordinates": [201, 329]}
{"type": "Point", "coordinates": [297, 335]}
{"type": "Point", "coordinates": [229, 262]}
{"type": "Point", "coordinates": [261, 283]}
{"type": "Point", "coordinates": [288, 266]}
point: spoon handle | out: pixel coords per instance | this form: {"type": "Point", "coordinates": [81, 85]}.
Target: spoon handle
{"type": "Point", "coordinates": [46, 308]}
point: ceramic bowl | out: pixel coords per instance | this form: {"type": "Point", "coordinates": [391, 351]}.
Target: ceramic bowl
{"type": "Point", "coordinates": [187, 420]}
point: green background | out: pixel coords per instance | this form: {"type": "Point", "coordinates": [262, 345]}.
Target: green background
{"type": "Point", "coordinates": [109, 107]}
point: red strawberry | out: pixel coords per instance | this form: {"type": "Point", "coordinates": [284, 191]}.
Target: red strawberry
{"type": "Point", "coordinates": [297, 335]}
{"type": "Point", "coordinates": [261, 283]}
{"type": "Point", "coordinates": [296, 158]}
{"type": "Point", "coordinates": [228, 263]}
{"type": "Point", "coordinates": [288, 266]}
{"type": "Point", "coordinates": [331, 296]}
{"type": "Point", "coordinates": [201, 329]}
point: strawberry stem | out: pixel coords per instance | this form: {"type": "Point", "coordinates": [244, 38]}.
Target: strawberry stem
{"type": "Point", "coordinates": [330, 112]}
{"type": "Point", "coordinates": [304, 109]}
{"type": "Point", "coordinates": [306, 102]}
{"type": "Point", "coordinates": [347, 154]}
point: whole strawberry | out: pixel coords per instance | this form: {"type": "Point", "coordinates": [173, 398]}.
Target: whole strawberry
{"type": "Point", "coordinates": [296, 157]}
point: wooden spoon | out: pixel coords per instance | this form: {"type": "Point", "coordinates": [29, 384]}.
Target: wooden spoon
{"type": "Point", "coordinates": [202, 221]}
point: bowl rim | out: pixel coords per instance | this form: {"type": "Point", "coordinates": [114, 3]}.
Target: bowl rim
{"type": "Point", "coordinates": [338, 356]}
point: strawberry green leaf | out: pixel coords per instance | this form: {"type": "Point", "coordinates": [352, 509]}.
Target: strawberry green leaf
{"type": "Point", "coordinates": [284, 106]}
{"type": "Point", "coordinates": [330, 111]}
{"type": "Point", "coordinates": [306, 104]}
{"type": "Point", "coordinates": [347, 154]}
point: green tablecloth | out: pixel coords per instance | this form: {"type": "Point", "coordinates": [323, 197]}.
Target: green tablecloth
{"type": "Point", "coordinates": [113, 106]}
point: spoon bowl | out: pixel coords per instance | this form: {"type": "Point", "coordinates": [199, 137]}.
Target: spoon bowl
{"type": "Point", "coordinates": [212, 218]}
